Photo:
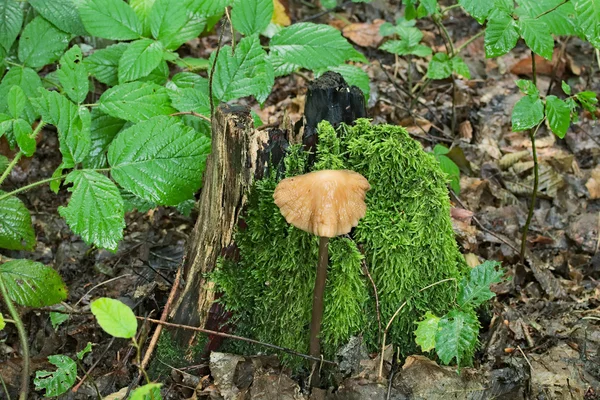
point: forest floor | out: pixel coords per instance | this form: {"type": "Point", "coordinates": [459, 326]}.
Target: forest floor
{"type": "Point", "coordinates": [543, 340]}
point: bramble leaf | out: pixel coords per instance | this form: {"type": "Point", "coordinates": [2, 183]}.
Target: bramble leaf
{"type": "Point", "coordinates": [460, 67]}
{"type": "Point", "coordinates": [147, 392]}
{"type": "Point", "coordinates": [57, 319]}
{"type": "Point", "coordinates": [110, 19]}
{"type": "Point", "coordinates": [476, 289]}
{"type": "Point", "coordinates": [192, 98]}
{"type": "Point", "coordinates": [23, 131]}
{"type": "Point", "coordinates": [136, 101]}
{"type": "Point", "coordinates": [16, 100]}
{"type": "Point", "coordinates": [501, 34]}
{"type": "Point", "coordinates": [456, 336]}
{"type": "Point", "coordinates": [208, 7]}
{"type": "Point", "coordinates": [32, 284]}
{"type": "Point", "coordinates": [95, 210]}
{"type": "Point", "coordinates": [59, 381]}
{"type": "Point", "coordinates": [41, 43]}
{"type": "Point", "coordinates": [142, 9]}
{"type": "Point", "coordinates": [104, 64]}
{"type": "Point", "coordinates": [251, 16]}
{"type": "Point", "coordinates": [440, 66]}
{"type": "Point", "coordinates": [73, 75]}
{"type": "Point", "coordinates": [139, 59]}
{"type": "Point", "coordinates": [61, 13]}
{"type": "Point", "coordinates": [11, 18]}
{"type": "Point", "coordinates": [28, 80]}
{"type": "Point", "coordinates": [537, 36]}
{"type": "Point", "coordinates": [528, 112]}
{"type": "Point", "coordinates": [114, 317]}
{"type": "Point", "coordinates": [16, 231]}
{"type": "Point", "coordinates": [426, 331]}
{"type": "Point", "coordinates": [159, 160]}
{"type": "Point", "coordinates": [558, 114]}
{"type": "Point", "coordinates": [103, 129]}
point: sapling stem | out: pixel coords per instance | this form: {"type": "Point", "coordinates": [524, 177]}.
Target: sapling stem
{"type": "Point", "coordinates": [318, 294]}
{"type": "Point", "coordinates": [22, 338]}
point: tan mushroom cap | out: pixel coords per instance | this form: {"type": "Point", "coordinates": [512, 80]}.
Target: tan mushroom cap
{"type": "Point", "coordinates": [325, 203]}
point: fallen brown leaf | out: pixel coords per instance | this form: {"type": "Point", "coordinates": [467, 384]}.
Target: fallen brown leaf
{"type": "Point", "coordinates": [364, 34]}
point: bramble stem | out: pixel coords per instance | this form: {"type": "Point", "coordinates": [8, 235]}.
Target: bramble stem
{"type": "Point", "coordinates": [317, 309]}
{"type": "Point", "coordinates": [22, 338]}
{"type": "Point", "coordinates": [11, 166]}
{"type": "Point", "coordinates": [31, 185]}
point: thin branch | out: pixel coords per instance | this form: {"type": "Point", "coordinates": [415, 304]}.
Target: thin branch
{"type": "Point", "coordinates": [195, 114]}
{"type": "Point", "coordinates": [89, 371]}
{"type": "Point", "coordinates": [212, 73]}
{"type": "Point", "coordinates": [550, 10]}
{"type": "Point", "coordinates": [230, 27]}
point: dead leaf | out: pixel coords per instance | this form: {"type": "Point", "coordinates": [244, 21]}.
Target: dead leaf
{"type": "Point", "coordinates": [412, 125]}
{"type": "Point", "coordinates": [465, 131]}
{"type": "Point", "coordinates": [593, 184]}
{"type": "Point", "coordinates": [542, 66]}
{"type": "Point", "coordinates": [364, 34]}
{"type": "Point", "coordinates": [280, 15]}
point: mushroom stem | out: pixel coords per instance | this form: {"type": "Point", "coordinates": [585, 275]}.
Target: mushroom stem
{"type": "Point", "coordinates": [318, 294]}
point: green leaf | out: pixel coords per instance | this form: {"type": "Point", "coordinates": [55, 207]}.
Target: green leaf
{"type": "Point", "coordinates": [558, 114]}
{"type": "Point", "coordinates": [588, 100]}
{"type": "Point", "coordinates": [72, 122]}
{"type": "Point", "coordinates": [208, 7]}
{"type": "Point", "coordinates": [23, 131]}
{"type": "Point", "coordinates": [431, 6]}
{"type": "Point", "coordinates": [150, 391]}
{"type": "Point", "coordinates": [159, 160]}
{"type": "Point", "coordinates": [28, 80]}
{"type": "Point", "coordinates": [57, 319]}
{"type": "Point", "coordinates": [142, 9]}
{"type": "Point", "coordinates": [32, 284]}
{"type": "Point", "coordinates": [73, 75]}
{"type": "Point", "coordinates": [2, 322]}
{"type": "Point", "coordinates": [16, 231]}
{"type": "Point", "coordinates": [403, 47]}
{"type": "Point", "coordinates": [537, 36]}
{"type": "Point", "coordinates": [280, 66]}
{"type": "Point", "coordinates": [104, 64]}
{"type": "Point", "coordinates": [193, 64]}
{"type": "Point", "coordinates": [3, 162]}
{"type": "Point", "coordinates": [59, 381]}
{"type": "Point", "coordinates": [132, 203]}
{"type": "Point", "coordinates": [103, 129]}
{"type": "Point", "coordinates": [139, 59]}
{"type": "Point", "coordinates": [173, 24]}
{"type": "Point", "coordinates": [588, 19]}
{"type": "Point", "coordinates": [528, 112]}
{"type": "Point", "coordinates": [17, 100]}
{"type": "Point", "coordinates": [136, 101]}
{"type": "Point", "coordinates": [456, 336]}
{"type": "Point", "coordinates": [192, 98]}
{"type": "Point", "coordinates": [110, 19]}
{"type": "Point", "coordinates": [41, 43]}
{"type": "Point", "coordinates": [114, 317]}
{"type": "Point", "coordinates": [62, 14]}
{"type": "Point", "coordinates": [158, 75]}
{"type": "Point", "coordinates": [426, 331]}
{"type": "Point", "coordinates": [192, 28]}
{"type": "Point", "coordinates": [251, 16]}
{"type": "Point", "coordinates": [475, 291]}
{"type": "Point", "coordinates": [440, 66]}
{"type": "Point", "coordinates": [566, 88]}
{"type": "Point", "coordinates": [528, 87]}
{"type": "Point", "coordinates": [11, 18]}
{"type": "Point", "coordinates": [354, 76]}
{"type": "Point", "coordinates": [95, 210]}
{"type": "Point", "coordinates": [84, 351]}
{"type": "Point", "coordinates": [244, 73]}
{"type": "Point", "coordinates": [560, 21]}
{"type": "Point", "coordinates": [501, 35]}
{"type": "Point", "coordinates": [478, 9]}
{"type": "Point", "coordinates": [313, 46]}
{"type": "Point", "coordinates": [460, 67]}
{"type": "Point", "coordinates": [440, 149]}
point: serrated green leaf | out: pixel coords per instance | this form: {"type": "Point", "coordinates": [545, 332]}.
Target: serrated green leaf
{"type": "Point", "coordinates": [313, 46]}
{"type": "Point", "coordinates": [537, 36]}
{"type": "Point", "coordinates": [251, 16]}
{"type": "Point", "coordinates": [431, 6]}
{"type": "Point", "coordinates": [59, 381]}
{"type": "Point", "coordinates": [475, 291]}
{"type": "Point", "coordinates": [32, 284]}
{"type": "Point", "coordinates": [136, 101]}
{"type": "Point", "coordinates": [56, 182]}
{"type": "Point", "coordinates": [139, 59]}
{"type": "Point", "coordinates": [192, 98]}
{"type": "Point", "coordinates": [133, 203]}
{"type": "Point", "coordinates": [150, 391]}
{"type": "Point", "coordinates": [528, 112]}
{"type": "Point", "coordinates": [528, 87]}
{"type": "Point", "coordinates": [158, 75]}
{"type": "Point", "coordinates": [114, 317]}
{"type": "Point", "coordinates": [208, 7]}
{"type": "Point", "coordinates": [426, 331]}
{"type": "Point", "coordinates": [281, 66]}
{"type": "Point", "coordinates": [142, 9]}
{"type": "Point", "coordinates": [16, 100]}
{"type": "Point", "coordinates": [5, 125]}
{"type": "Point", "coordinates": [84, 351]}
{"type": "Point", "coordinates": [104, 64]}
{"type": "Point", "coordinates": [588, 100]}
{"type": "Point", "coordinates": [95, 210]}
{"type": "Point", "coordinates": [456, 337]}
{"type": "Point", "coordinates": [72, 122]}
{"type": "Point", "coordinates": [566, 88]}
{"type": "Point", "coordinates": [401, 47]}
{"type": "Point", "coordinates": [478, 9]}
{"type": "Point", "coordinates": [23, 131]}
{"type": "Point", "coordinates": [62, 14]}
{"type": "Point", "coordinates": [3, 162]}
{"type": "Point", "coordinates": [354, 76]}
{"type": "Point", "coordinates": [193, 64]}
{"type": "Point", "coordinates": [28, 80]}
{"type": "Point", "coordinates": [16, 231]}
{"type": "Point", "coordinates": [558, 114]}
{"type": "Point", "coordinates": [57, 318]}
{"type": "Point", "coordinates": [11, 18]}
{"type": "Point", "coordinates": [440, 66]}
{"type": "Point", "coordinates": [501, 35]}
{"type": "Point", "coordinates": [73, 75]}
{"type": "Point", "coordinates": [588, 19]}
{"type": "Point", "coordinates": [191, 29]}
{"type": "Point", "coordinates": [41, 43]}
{"type": "Point", "coordinates": [244, 73]}
{"type": "Point", "coordinates": [103, 129]}
{"type": "Point", "coordinates": [2, 322]}
{"type": "Point", "coordinates": [110, 19]}
{"type": "Point", "coordinates": [173, 24]}
{"type": "Point", "coordinates": [560, 21]}
{"type": "Point", "coordinates": [159, 160]}
{"type": "Point", "coordinates": [460, 67]}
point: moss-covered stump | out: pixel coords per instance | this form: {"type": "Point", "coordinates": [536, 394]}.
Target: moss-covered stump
{"type": "Point", "coordinates": [406, 240]}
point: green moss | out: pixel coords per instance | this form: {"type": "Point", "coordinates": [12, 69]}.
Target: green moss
{"type": "Point", "coordinates": [406, 238]}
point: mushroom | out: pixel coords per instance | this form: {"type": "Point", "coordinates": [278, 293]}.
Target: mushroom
{"type": "Point", "coordinates": [325, 203]}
